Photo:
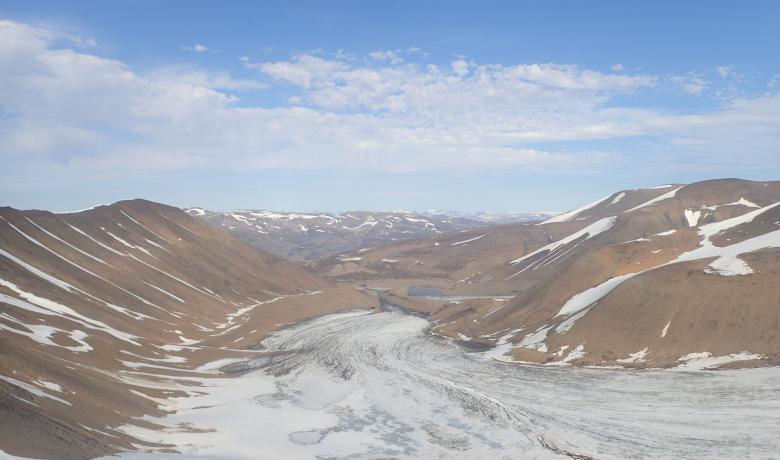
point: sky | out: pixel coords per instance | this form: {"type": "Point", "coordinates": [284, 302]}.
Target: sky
{"type": "Point", "coordinates": [339, 105]}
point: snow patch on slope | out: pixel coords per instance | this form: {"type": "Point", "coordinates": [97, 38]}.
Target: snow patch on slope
{"type": "Point", "coordinates": [705, 360]}
{"type": "Point", "coordinates": [600, 226]}
{"type": "Point", "coordinates": [727, 262]}
{"type": "Point", "coordinates": [590, 296]}
{"type": "Point", "coordinates": [567, 216]}
{"type": "Point", "coordinates": [692, 217]}
{"type": "Point", "coordinates": [469, 240]}
{"type": "Point", "coordinates": [655, 200]}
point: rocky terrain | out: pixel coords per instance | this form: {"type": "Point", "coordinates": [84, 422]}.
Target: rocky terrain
{"type": "Point", "coordinates": [94, 305]}
{"type": "Point", "coordinates": [126, 327]}
{"type": "Point", "coordinates": [653, 277]}
{"type": "Point", "coordinates": [308, 236]}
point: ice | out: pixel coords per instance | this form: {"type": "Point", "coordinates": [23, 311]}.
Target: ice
{"type": "Point", "coordinates": [132, 246]}
{"type": "Point", "coordinates": [666, 329]}
{"type": "Point", "coordinates": [705, 360]}
{"type": "Point", "coordinates": [692, 217]}
{"type": "Point", "coordinates": [586, 298]}
{"type": "Point", "coordinates": [213, 366]}
{"type": "Point", "coordinates": [34, 390]}
{"type": "Point", "coordinates": [48, 385]}
{"type": "Point", "coordinates": [145, 228]}
{"type": "Point", "coordinates": [95, 258]}
{"type": "Point", "coordinates": [502, 347]}
{"type": "Point", "coordinates": [67, 287]}
{"type": "Point", "coordinates": [618, 197]}
{"type": "Point", "coordinates": [655, 200]}
{"type": "Point", "coordinates": [573, 355]}
{"type": "Point", "coordinates": [176, 278]}
{"type": "Point", "coordinates": [377, 386]}
{"type": "Point", "coordinates": [178, 299]}
{"type": "Point", "coordinates": [39, 273]}
{"type": "Point", "coordinates": [590, 231]}
{"type": "Point", "coordinates": [536, 338]}
{"type": "Point", "coordinates": [567, 216]}
{"type": "Point", "coordinates": [717, 227]}
{"type": "Point", "coordinates": [745, 202]}
{"type": "Point", "coordinates": [729, 266]}
{"type": "Point", "coordinates": [637, 357]}
{"type": "Point", "coordinates": [41, 333]}
{"type": "Point", "coordinates": [41, 245]}
{"type": "Point", "coordinates": [155, 244]}
{"type": "Point", "coordinates": [728, 262]}
{"type": "Point", "coordinates": [569, 322]}
{"type": "Point", "coordinates": [50, 307]}
{"type": "Point", "coordinates": [86, 209]}
{"type": "Point", "coordinates": [468, 240]}
{"type": "Point", "coordinates": [464, 338]}
{"type": "Point", "coordinates": [99, 243]}
{"type": "Point", "coordinates": [285, 216]}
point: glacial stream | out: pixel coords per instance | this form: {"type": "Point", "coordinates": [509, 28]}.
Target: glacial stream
{"type": "Point", "coordinates": [358, 385]}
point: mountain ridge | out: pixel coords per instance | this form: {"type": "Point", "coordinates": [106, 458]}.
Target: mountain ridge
{"type": "Point", "coordinates": [307, 236]}
{"type": "Point", "coordinates": [557, 279]}
{"type": "Point", "coordinates": [95, 304]}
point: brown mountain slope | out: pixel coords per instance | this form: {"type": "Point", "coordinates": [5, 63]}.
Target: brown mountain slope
{"type": "Point", "coordinates": [652, 287]}
{"type": "Point", "coordinates": [474, 261]}
{"type": "Point", "coordinates": [94, 304]}
{"type": "Point", "coordinates": [599, 280]}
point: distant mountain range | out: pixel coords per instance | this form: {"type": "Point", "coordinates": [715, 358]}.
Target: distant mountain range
{"type": "Point", "coordinates": [307, 236]}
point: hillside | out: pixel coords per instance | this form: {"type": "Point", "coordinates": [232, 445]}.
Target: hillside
{"type": "Point", "coordinates": [94, 304]}
{"type": "Point", "coordinates": [655, 277]}
{"type": "Point", "coordinates": [474, 260]}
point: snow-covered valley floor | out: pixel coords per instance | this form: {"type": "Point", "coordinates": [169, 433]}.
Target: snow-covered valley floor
{"type": "Point", "coordinates": [358, 385]}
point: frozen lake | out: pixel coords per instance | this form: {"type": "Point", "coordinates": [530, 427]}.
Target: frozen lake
{"type": "Point", "coordinates": [359, 385]}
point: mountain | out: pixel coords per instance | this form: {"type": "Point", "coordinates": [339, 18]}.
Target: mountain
{"type": "Point", "coordinates": [95, 304]}
{"type": "Point", "coordinates": [496, 217]}
{"type": "Point", "coordinates": [673, 275]}
{"type": "Point", "coordinates": [113, 319]}
{"type": "Point", "coordinates": [302, 237]}
{"type": "Point", "coordinates": [477, 259]}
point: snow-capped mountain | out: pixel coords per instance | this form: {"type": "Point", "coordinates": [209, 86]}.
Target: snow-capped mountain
{"type": "Point", "coordinates": [307, 236]}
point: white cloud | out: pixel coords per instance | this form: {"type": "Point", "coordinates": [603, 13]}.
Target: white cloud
{"type": "Point", "coordinates": [302, 70]}
{"type": "Point", "coordinates": [724, 71]}
{"type": "Point", "coordinates": [199, 77]}
{"type": "Point", "coordinates": [393, 57]}
{"type": "Point", "coordinates": [198, 48]}
{"type": "Point", "coordinates": [691, 84]}
{"type": "Point", "coordinates": [412, 50]}
{"type": "Point", "coordinates": [80, 114]}
{"type": "Point", "coordinates": [618, 67]}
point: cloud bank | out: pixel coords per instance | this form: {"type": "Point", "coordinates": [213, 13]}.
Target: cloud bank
{"type": "Point", "coordinates": [67, 110]}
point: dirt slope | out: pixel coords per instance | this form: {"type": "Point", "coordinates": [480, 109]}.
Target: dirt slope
{"type": "Point", "coordinates": [93, 304]}
{"type": "Point", "coordinates": [599, 285]}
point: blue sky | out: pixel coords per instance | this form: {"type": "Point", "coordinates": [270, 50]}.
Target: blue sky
{"type": "Point", "coordinates": [403, 105]}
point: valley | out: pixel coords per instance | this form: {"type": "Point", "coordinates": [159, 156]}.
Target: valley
{"type": "Point", "coordinates": [361, 385]}
{"type": "Point", "coordinates": [142, 330]}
